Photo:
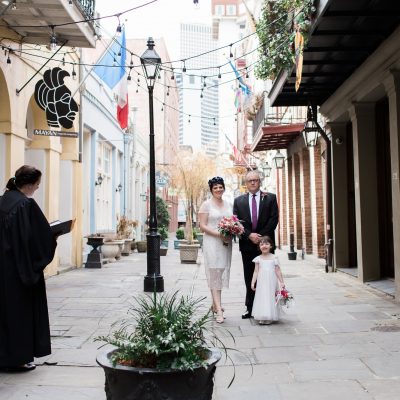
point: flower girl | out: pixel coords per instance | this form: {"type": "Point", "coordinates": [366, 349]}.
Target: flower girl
{"type": "Point", "coordinates": [268, 276]}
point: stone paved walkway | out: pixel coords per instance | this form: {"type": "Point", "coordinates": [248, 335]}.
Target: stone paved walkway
{"type": "Point", "coordinates": [341, 340]}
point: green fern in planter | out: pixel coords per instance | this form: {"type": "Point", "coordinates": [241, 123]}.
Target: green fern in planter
{"type": "Point", "coordinates": [164, 332]}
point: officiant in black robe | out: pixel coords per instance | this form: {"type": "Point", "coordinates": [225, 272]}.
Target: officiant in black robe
{"type": "Point", "coordinates": [27, 246]}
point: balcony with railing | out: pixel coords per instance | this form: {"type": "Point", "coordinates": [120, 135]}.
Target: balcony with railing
{"type": "Point", "coordinates": [33, 20]}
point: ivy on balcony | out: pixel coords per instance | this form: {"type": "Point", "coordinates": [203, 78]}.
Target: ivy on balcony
{"type": "Point", "coordinates": [276, 31]}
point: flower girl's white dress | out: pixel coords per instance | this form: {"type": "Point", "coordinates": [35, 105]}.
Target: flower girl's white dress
{"type": "Point", "coordinates": [264, 306]}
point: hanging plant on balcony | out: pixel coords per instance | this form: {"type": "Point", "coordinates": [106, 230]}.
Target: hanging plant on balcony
{"type": "Point", "coordinates": [276, 31]}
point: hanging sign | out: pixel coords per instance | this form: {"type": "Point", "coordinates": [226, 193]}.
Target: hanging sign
{"type": "Point", "coordinates": [53, 97]}
{"type": "Point", "coordinates": [45, 132]}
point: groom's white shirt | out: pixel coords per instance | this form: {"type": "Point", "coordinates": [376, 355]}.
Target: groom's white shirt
{"type": "Point", "coordinates": [250, 199]}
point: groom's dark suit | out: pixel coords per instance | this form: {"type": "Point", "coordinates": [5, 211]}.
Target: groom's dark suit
{"type": "Point", "coordinates": [268, 216]}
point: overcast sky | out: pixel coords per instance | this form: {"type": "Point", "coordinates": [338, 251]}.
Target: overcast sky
{"type": "Point", "coordinates": [159, 19]}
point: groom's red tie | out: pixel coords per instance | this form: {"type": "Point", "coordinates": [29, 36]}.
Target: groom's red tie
{"type": "Point", "coordinates": [254, 214]}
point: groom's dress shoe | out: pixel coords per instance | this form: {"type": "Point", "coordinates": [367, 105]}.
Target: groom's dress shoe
{"type": "Point", "coordinates": [246, 315]}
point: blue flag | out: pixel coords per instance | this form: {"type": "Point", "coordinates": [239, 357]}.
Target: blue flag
{"type": "Point", "coordinates": [245, 89]}
{"type": "Point", "coordinates": [115, 55]}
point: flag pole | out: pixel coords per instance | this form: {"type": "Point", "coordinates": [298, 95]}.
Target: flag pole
{"type": "Point", "coordinates": [94, 65]}
{"type": "Point", "coordinates": [241, 153]}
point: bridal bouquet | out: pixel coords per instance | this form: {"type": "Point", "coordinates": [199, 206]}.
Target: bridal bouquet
{"type": "Point", "coordinates": [230, 226]}
{"type": "Point", "coordinates": [283, 297]}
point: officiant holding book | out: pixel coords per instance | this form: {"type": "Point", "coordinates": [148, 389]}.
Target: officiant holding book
{"type": "Point", "coordinates": [27, 246]}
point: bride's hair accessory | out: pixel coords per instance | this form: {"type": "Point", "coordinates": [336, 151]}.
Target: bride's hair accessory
{"type": "Point", "coordinates": [217, 180]}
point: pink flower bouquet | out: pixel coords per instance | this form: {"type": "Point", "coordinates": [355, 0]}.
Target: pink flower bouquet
{"type": "Point", "coordinates": [283, 297]}
{"type": "Point", "coordinates": [230, 226]}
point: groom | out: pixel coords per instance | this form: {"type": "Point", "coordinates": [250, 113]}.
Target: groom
{"type": "Point", "coordinates": [258, 212]}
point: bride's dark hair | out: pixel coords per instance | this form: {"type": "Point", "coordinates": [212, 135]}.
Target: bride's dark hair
{"type": "Point", "coordinates": [217, 180]}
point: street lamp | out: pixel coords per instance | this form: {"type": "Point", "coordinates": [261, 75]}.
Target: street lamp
{"type": "Point", "coordinates": [153, 281]}
{"type": "Point", "coordinates": [279, 160]}
{"type": "Point", "coordinates": [311, 129]}
{"type": "Point", "coordinates": [267, 170]}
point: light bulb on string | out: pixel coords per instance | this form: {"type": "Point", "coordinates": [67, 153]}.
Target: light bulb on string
{"type": "Point", "coordinates": [247, 73]}
{"type": "Point", "coordinates": [230, 51]}
{"type": "Point", "coordinates": [219, 72]}
{"type": "Point", "coordinates": [172, 74]}
{"type": "Point", "coordinates": [184, 66]}
{"type": "Point", "coordinates": [204, 81]}
{"type": "Point", "coordinates": [168, 91]}
{"type": "Point", "coordinates": [201, 94]}
{"type": "Point", "coordinates": [70, 3]}
{"type": "Point", "coordinates": [53, 40]}
{"type": "Point", "coordinates": [8, 57]}
{"type": "Point", "coordinates": [73, 71]}
{"type": "Point", "coordinates": [129, 78]}
{"type": "Point", "coordinates": [137, 89]}
{"type": "Point", "coordinates": [114, 61]}
{"type": "Point", "coordinates": [119, 28]}
{"type": "Point", "coordinates": [14, 5]}
{"type": "Point", "coordinates": [131, 63]}
{"type": "Point", "coordinates": [119, 52]}
{"type": "Point", "coordinates": [162, 107]}
{"type": "Point", "coordinates": [63, 61]}
{"type": "Point", "coordinates": [189, 119]}
{"type": "Point", "coordinates": [214, 122]}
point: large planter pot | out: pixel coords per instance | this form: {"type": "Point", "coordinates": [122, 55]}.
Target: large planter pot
{"type": "Point", "coordinates": [176, 244]}
{"type": "Point", "coordinates": [131, 383]}
{"type": "Point", "coordinates": [141, 246]}
{"type": "Point", "coordinates": [120, 247]}
{"type": "Point", "coordinates": [133, 245]}
{"type": "Point", "coordinates": [200, 238]}
{"type": "Point", "coordinates": [110, 251]}
{"type": "Point", "coordinates": [165, 243]}
{"type": "Point", "coordinates": [188, 253]}
{"type": "Point", "coordinates": [126, 248]}
{"type": "Point", "coordinates": [163, 251]}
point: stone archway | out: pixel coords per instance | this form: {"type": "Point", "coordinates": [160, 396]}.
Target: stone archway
{"type": "Point", "coordinates": [5, 129]}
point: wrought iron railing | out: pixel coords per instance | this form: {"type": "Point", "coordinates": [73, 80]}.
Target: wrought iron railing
{"type": "Point", "coordinates": [87, 6]}
{"type": "Point", "coordinates": [259, 120]}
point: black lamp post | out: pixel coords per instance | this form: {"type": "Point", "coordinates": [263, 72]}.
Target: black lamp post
{"type": "Point", "coordinates": [151, 61]}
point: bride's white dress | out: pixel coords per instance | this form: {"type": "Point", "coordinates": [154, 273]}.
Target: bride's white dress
{"type": "Point", "coordinates": [217, 257]}
{"type": "Point", "coordinates": [264, 306]}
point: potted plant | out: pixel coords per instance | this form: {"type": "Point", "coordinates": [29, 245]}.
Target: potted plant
{"type": "Point", "coordinates": [180, 235]}
{"type": "Point", "coordinates": [163, 231]}
{"type": "Point", "coordinates": [124, 232]}
{"type": "Point", "coordinates": [141, 246]}
{"type": "Point", "coordinates": [111, 248]}
{"type": "Point", "coordinates": [165, 349]}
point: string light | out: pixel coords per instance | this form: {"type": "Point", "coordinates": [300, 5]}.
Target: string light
{"type": "Point", "coordinates": [189, 119]}
{"type": "Point", "coordinates": [70, 3]}
{"type": "Point", "coordinates": [204, 81]}
{"type": "Point", "coordinates": [8, 58]}
{"type": "Point", "coordinates": [230, 51]}
{"type": "Point", "coordinates": [247, 73]}
{"type": "Point", "coordinates": [168, 91]}
{"type": "Point", "coordinates": [162, 107]}
{"type": "Point", "coordinates": [119, 28]}
{"type": "Point", "coordinates": [14, 5]}
{"type": "Point", "coordinates": [184, 67]}
{"type": "Point", "coordinates": [172, 74]}
{"type": "Point", "coordinates": [219, 72]}
{"type": "Point", "coordinates": [129, 78]}
{"type": "Point", "coordinates": [73, 71]}
{"type": "Point", "coordinates": [53, 40]}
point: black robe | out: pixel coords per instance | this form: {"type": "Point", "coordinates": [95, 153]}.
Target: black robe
{"type": "Point", "coordinates": [27, 246]}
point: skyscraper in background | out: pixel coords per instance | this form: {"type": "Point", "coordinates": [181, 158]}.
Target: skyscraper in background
{"type": "Point", "coordinates": [198, 92]}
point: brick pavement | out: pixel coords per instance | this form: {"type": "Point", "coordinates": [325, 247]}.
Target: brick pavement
{"type": "Point", "coordinates": [340, 340]}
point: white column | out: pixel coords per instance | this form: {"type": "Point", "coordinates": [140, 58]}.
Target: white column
{"type": "Point", "coordinates": [392, 85]}
{"type": "Point", "coordinates": [365, 190]}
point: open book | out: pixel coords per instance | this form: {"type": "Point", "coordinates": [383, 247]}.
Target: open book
{"type": "Point", "coordinates": [61, 228]}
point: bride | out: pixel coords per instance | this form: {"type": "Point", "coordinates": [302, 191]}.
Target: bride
{"type": "Point", "coordinates": [217, 249]}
